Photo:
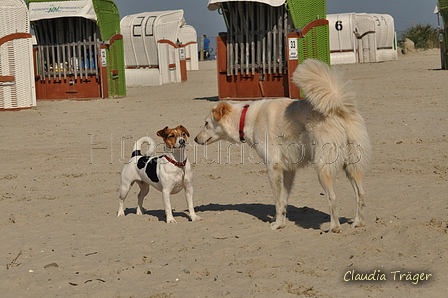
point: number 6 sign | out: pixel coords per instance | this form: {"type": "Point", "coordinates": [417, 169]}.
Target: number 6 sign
{"type": "Point", "coordinates": [338, 25]}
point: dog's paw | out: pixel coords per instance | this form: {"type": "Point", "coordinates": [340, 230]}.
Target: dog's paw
{"type": "Point", "coordinates": [120, 214]}
{"type": "Point", "coordinates": [357, 225]}
{"type": "Point", "coordinates": [336, 230]}
{"type": "Point", "coordinates": [171, 220]}
{"type": "Point", "coordinates": [195, 218]}
{"type": "Point", "coordinates": [276, 226]}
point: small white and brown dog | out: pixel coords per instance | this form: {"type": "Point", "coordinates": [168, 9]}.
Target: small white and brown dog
{"type": "Point", "coordinates": [169, 173]}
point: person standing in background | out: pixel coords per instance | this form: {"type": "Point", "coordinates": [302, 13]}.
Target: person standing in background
{"type": "Point", "coordinates": [206, 47]}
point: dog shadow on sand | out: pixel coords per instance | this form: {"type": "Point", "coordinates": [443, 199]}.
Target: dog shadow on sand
{"type": "Point", "coordinates": [159, 214]}
{"type": "Point", "coordinates": [305, 217]}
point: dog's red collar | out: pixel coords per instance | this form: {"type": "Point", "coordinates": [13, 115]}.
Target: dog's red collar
{"type": "Point", "coordinates": [242, 119]}
{"type": "Point", "coordinates": [176, 163]}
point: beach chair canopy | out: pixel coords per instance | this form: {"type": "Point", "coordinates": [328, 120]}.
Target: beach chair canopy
{"type": "Point", "coordinates": [265, 40]}
{"type": "Point", "coordinates": [143, 31]}
{"type": "Point", "coordinates": [443, 10]}
{"type": "Point", "coordinates": [159, 47]}
{"type": "Point", "coordinates": [17, 89]}
{"type": "Point", "coordinates": [215, 4]}
{"type": "Point", "coordinates": [69, 36]}
{"type": "Point", "coordinates": [52, 10]}
{"type": "Point", "coordinates": [362, 37]}
{"type": "Point", "coordinates": [188, 38]}
{"type": "Point", "coordinates": [78, 18]}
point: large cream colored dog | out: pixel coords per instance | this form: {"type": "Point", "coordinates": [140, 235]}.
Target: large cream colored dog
{"type": "Point", "coordinates": [324, 129]}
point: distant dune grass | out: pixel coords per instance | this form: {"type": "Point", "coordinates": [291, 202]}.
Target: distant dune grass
{"type": "Point", "coordinates": [424, 36]}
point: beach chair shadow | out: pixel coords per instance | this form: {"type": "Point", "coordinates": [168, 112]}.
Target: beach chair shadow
{"type": "Point", "coordinates": [209, 98]}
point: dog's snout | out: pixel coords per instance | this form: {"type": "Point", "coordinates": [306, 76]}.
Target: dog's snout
{"type": "Point", "coordinates": [182, 142]}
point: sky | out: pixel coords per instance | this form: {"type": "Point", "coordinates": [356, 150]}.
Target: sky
{"type": "Point", "coordinates": [405, 12]}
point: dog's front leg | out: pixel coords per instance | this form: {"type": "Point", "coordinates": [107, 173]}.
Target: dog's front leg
{"type": "Point", "coordinates": [167, 205]}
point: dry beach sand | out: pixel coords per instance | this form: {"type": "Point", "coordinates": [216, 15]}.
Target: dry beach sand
{"type": "Point", "coordinates": [59, 179]}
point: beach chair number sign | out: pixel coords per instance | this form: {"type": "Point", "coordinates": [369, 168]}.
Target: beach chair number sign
{"type": "Point", "coordinates": [293, 53]}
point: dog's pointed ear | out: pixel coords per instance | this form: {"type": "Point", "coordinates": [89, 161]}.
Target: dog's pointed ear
{"type": "Point", "coordinates": [221, 110]}
{"type": "Point", "coordinates": [162, 133]}
{"type": "Point", "coordinates": [184, 129]}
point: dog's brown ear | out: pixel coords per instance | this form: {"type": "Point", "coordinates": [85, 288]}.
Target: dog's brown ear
{"type": "Point", "coordinates": [162, 133]}
{"type": "Point", "coordinates": [184, 129]}
{"type": "Point", "coordinates": [221, 110]}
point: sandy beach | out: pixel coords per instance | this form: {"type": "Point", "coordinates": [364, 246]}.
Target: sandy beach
{"type": "Point", "coordinates": [60, 173]}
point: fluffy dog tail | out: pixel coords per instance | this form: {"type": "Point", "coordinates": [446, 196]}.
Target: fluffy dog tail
{"type": "Point", "coordinates": [138, 146]}
{"type": "Point", "coordinates": [325, 90]}
{"type": "Point", "coordinates": [328, 94]}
